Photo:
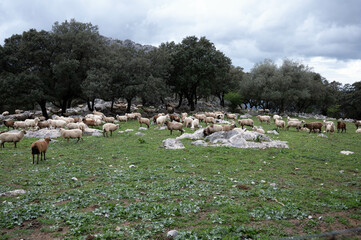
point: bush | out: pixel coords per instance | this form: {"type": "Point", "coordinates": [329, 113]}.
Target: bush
{"type": "Point", "coordinates": [234, 99]}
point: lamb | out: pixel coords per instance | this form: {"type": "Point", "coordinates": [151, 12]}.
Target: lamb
{"type": "Point", "coordinates": [264, 118]}
{"type": "Point", "coordinates": [19, 124]}
{"type": "Point", "coordinates": [43, 124]}
{"type": "Point", "coordinates": [40, 147]}
{"type": "Point", "coordinates": [245, 122]}
{"type": "Point", "coordinates": [32, 123]}
{"type": "Point", "coordinates": [228, 127]}
{"type": "Point", "coordinates": [109, 127]}
{"type": "Point", "coordinates": [174, 126]}
{"type": "Point", "coordinates": [280, 124]}
{"type": "Point", "coordinates": [146, 121]}
{"type": "Point", "coordinates": [188, 122]}
{"type": "Point", "coordinates": [313, 126]}
{"type": "Point", "coordinates": [11, 137]}
{"type": "Point", "coordinates": [357, 123]}
{"type": "Point", "coordinates": [341, 125]}
{"type": "Point", "coordinates": [212, 129]}
{"type": "Point", "coordinates": [57, 123]}
{"type": "Point", "coordinates": [231, 116]}
{"type": "Point", "coordinates": [296, 124]}
{"type": "Point", "coordinates": [195, 123]}
{"type": "Point", "coordinates": [209, 120]}
{"type": "Point", "coordinates": [73, 133]}
{"type": "Point", "coordinates": [276, 117]}
{"type": "Point", "coordinates": [109, 119]}
{"type": "Point", "coordinates": [9, 123]}
{"type": "Point", "coordinates": [161, 120]}
{"type": "Point", "coordinates": [122, 118]}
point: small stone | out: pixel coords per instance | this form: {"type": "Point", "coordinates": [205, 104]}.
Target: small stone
{"type": "Point", "coordinates": [272, 184]}
{"type": "Point", "coordinates": [74, 179]}
{"type": "Point", "coordinates": [310, 217]}
{"type": "Point", "coordinates": [132, 166]}
{"type": "Point", "coordinates": [172, 234]}
{"type": "Point", "coordinates": [263, 181]}
{"type": "Point", "coordinates": [117, 229]}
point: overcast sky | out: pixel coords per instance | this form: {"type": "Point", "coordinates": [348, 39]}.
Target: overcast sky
{"type": "Point", "coordinates": [323, 34]}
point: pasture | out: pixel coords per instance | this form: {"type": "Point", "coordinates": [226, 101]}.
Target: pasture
{"type": "Point", "coordinates": [130, 187]}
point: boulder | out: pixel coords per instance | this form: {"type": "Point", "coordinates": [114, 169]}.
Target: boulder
{"type": "Point", "coordinates": [172, 143]}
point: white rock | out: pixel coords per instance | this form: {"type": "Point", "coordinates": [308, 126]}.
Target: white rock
{"type": "Point", "coordinates": [142, 128]}
{"type": "Point", "coordinates": [13, 193]}
{"type": "Point", "coordinates": [346, 152]}
{"type": "Point", "coordinates": [129, 130]}
{"type": "Point", "coordinates": [139, 133]}
{"type": "Point", "coordinates": [132, 166]}
{"type": "Point", "coordinates": [172, 234]}
{"type": "Point", "coordinates": [74, 179]}
{"type": "Point", "coordinates": [172, 143]}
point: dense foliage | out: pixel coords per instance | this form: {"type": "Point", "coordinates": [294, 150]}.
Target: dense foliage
{"type": "Point", "coordinates": [74, 62]}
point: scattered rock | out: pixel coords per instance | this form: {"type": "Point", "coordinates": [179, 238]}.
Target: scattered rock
{"type": "Point", "coordinates": [92, 132]}
{"type": "Point", "coordinates": [132, 166]}
{"type": "Point", "coordinates": [322, 135]}
{"type": "Point", "coordinates": [13, 193]}
{"type": "Point", "coordinates": [42, 133]}
{"type": "Point", "coordinates": [142, 128]}
{"type": "Point", "coordinates": [74, 179]}
{"type": "Point", "coordinates": [139, 133]}
{"type": "Point", "coordinates": [172, 143]}
{"type": "Point", "coordinates": [121, 132]}
{"type": "Point", "coordinates": [172, 234]}
{"type": "Point", "coordinates": [346, 152]}
{"type": "Point", "coordinates": [273, 132]}
{"type": "Point", "coordinates": [194, 136]}
{"type": "Point", "coordinates": [200, 143]}
{"type": "Point", "coordinates": [129, 130]}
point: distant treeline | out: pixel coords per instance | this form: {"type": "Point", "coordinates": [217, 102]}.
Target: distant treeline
{"type": "Point", "coordinates": [73, 63]}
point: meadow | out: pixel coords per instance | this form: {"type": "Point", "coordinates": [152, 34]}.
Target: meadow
{"type": "Point", "coordinates": [130, 187]}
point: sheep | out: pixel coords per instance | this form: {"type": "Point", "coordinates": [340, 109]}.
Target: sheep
{"type": "Point", "coordinates": [228, 127]}
{"type": "Point", "coordinates": [89, 122]}
{"type": "Point", "coordinates": [43, 124]}
{"type": "Point", "coordinates": [219, 115]}
{"type": "Point", "coordinates": [122, 118]}
{"type": "Point", "coordinates": [146, 121]}
{"type": "Point", "coordinates": [73, 133]}
{"type": "Point", "coordinates": [209, 120]}
{"type": "Point", "coordinates": [174, 117]}
{"type": "Point", "coordinates": [19, 124]}
{"type": "Point", "coordinates": [292, 119]}
{"type": "Point", "coordinates": [264, 118]}
{"type": "Point", "coordinates": [231, 116]}
{"type": "Point", "coordinates": [245, 122]}
{"type": "Point", "coordinates": [174, 126]}
{"type": "Point", "coordinates": [11, 137]}
{"type": "Point", "coordinates": [280, 124]}
{"type": "Point", "coordinates": [200, 117]}
{"type": "Point", "coordinates": [66, 119]}
{"type": "Point", "coordinates": [5, 113]}
{"type": "Point", "coordinates": [341, 125]}
{"type": "Point", "coordinates": [330, 127]}
{"type": "Point", "coordinates": [40, 147]}
{"type": "Point", "coordinates": [57, 123]}
{"type": "Point", "coordinates": [211, 114]}
{"type": "Point", "coordinates": [357, 123]}
{"type": "Point", "coordinates": [195, 123]}
{"type": "Point", "coordinates": [9, 123]}
{"type": "Point", "coordinates": [32, 123]}
{"type": "Point", "coordinates": [358, 130]}
{"type": "Point", "coordinates": [98, 113]}
{"type": "Point", "coordinates": [212, 129]}
{"type": "Point", "coordinates": [295, 124]}
{"type": "Point", "coordinates": [188, 122]}
{"type": "Point", "coordinates": [258, 129]}
{"type": "Point", "coordinates": [77, 119]}
{"type": "Point", "coordinates": [161, 120]}
{"type": "Point", "coordinates": [313, 126]}
{"type": "Point", "coordinates": [184, 115]}
{"type": "Point", "coordinates": [109, 127]}
{"type": "Point", "coordinates": [132, 115]}
{"type": "Point", "coordinates": [80, 126]}
{"type": "Point", "coordinates": [18, 111]}
{"type": "Point", "coordinates": [276, 117]}
{"type": "Point", "coordinates": [109, 119]}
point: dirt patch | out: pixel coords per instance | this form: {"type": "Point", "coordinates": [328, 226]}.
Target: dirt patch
{"type": "Point", "coordinates": [90, 208]}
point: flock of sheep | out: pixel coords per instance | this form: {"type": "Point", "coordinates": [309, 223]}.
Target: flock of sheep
{"type": "Point", "coordinates": [173, 122]}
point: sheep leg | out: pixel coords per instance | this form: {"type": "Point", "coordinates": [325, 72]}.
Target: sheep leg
{"type": "Point", "coordinates": [111, 133]}
{"type": "Point", "coordinates": [33, 158]}
{"type": "Point", "coordinates": [78, 139]}
{"type": "Point", "coordinates": [15, 144]}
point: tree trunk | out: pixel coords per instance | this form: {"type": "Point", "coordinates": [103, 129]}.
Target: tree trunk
{"type": "Point", "coordinates": [42, 104]}
{"type": "Point", "coordinates": [129, 101]}
{"type": "Point", "coordinates": [112, 105]}
{"type": "Point", "coordinates": [63, 106]}
{"type": "Point", "coordinates": [221, 98]}
{"type": "Point", "coordinates": [90, 106]}
{"type": "Point", "coordinates": [180, 101]}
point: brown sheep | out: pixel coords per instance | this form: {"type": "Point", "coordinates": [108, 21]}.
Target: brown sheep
{"type": "Point", "coordinates": [89, 122]}
{"type": "Point", "coordinates": [357, 123]}
{"type": "Point", "coordinates": [228, 127]}
{"type": "Point", "coordinates": [245, 122]}
{"type": "Point", "coordinates": [9, 123]}
{"type": "Point", "coordinates": [174, 117]}
{"type": "Point", "coordinates": [146, 121]}
{"type": "Point", "coordinates": [313, 126]}
{"type": "Point", "coordinates": [341, 125]}
{"type": "Point", "coordinates": [212, 129]}
{"type": "Point", "coordinates": [40, 147]}
{"type": "Point", "coordinates": [43, 124]}
{"type": "Point", "coordinates": [174, 126]}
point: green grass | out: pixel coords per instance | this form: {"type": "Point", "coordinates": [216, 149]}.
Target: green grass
{"type": "Point", "coordinates": [204, 193]}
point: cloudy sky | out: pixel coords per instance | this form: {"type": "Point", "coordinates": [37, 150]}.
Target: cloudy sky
{"type": "Point", "coordinates": [323, 34]}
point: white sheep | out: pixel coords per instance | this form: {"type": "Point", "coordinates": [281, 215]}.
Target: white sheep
{"type": "Point", "coordinates": [19, 124]}
{"type": "Point", "coordinates": [245, 122]}
{"type": "Point", "coordinates": [195, 123]}
{"type": "Point", "coordinates": [109, 119]}
{"type": "Point", "coordinates": [264, 118]}
{"type": "Point", "coordinates": [184, 115]}
{"type": "Point", "coordinates": [66, 119]}
{"type": "Point", "coordinates": [57, 123]}
{"type": "Point", "coordinates": [258, 129]}
{"type": "Point", "coordinates": [330, 127]}
{"type": "Point", "coordinates": [292, 119]}
{"type": "Point", "coordinates": [122, 118]}
{"type": "Point", "coordinates": [11, 137]}
{"type": "Point", "coordinates": [161, 120]}
{"type": "Point", "coordinates": [18, 111]}
{"type": "Point", "coordinates": [212, 129]}
{"type": "Point", "coordinates": [32, 123]}
{"type": "Point", "coordinates": [296, 124]}
{"type": "Point", "coordinates": [231, 116]}
{"type": "Point", "coordinates": [209, 120]}
{"type": "Point", "coordinates": [109, 127]}
{"type": "Point", "coordinates": [280, 123]}
{"type": "Point", "coordinates": [188, 122]}
{"type": "Point", "coordinates": [73, 133]}
{"type": "Point", "coordinates": [79, 125]}
{"type": "Point", "coordinates": [358, 130]}
{"type": "Point", "coordinates": [200, 117]}
{"type": "Point", "coordinates": [276, 117]}
{"type": "Point", "coordinates": [145, 121]}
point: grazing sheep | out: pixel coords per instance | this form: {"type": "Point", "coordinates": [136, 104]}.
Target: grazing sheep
{"type": "Point", "coordinates": [258, 129]}
{"type": "Point", "coordinates": [43, 124]}
{"type": "Point", "coordinates": [122, 118]}
{"type": "Point", "coordinates": [174, 117]}
{"type": "Point", "coordinates": [292, 119]}
{"type": "Point", "coordinates": [341, 125]}
{"type": "Point", "coordinates": [211, 114]}
{"type": "Point", "coordinates": [146, 121]}
{"type": "Point", "coordinates": [296, 124]}
{"type": "Point", "coordinates": [357, 123]}
{"type": "Point", "coordinates": [132, 115]}
{"type": "Point", "coordinates": [313, 126]}
{"type": "Point", "coordinates": [188, 122]}
{"type": "Point", "coordinates": [5, 113]}
{"type": "Point", "coordinates": [19, 124]}
{"type": "Point", "coordinates": [9, 123]}
{"type": "Point", "coordinates": [57, 123]}
{"type": "Point", "coordinates": [212, 129]}
{"type": "Point", "coordinates": [276, 117]}
{"type": "Point", "coordinates": [161, 120]}
{"type": "Point", "coordinates": [358, 130]}
{"type": "Point", "coordinates": [98, 113]}
{"type": "Point", "coordinates": [109, 119]}
{"type": "Point", "coordinates": [77, 119]}
{"type": "Point", "coordinates": [200, 117]}
{"type": "Point", "coordinates": [264, 118]}
{"type": "Point", "coordinates": [245, 122]}
{"type": "Point", "coordinates": [195, 123]}
{"type": "Point", "coordinates": [231, 116]}
{"type": "Point", "coordinates": [89, 122]}
{"type": "Point", "coordinates": [11, 137]}
{"type": "Point", "coordinates": [330, 127]}
{"type": "Point", "coordinates": [219, 115]}
{"type": "Point", "coordinates": [79, 125]}
{"type": "Point", "coordinates": [184, 115]}
{"type": "Point", "coordinates": [66, 119]}
{"type": "Point", "coordinates": [40, 147]}
{"type": "Point", "coordinates": [280, 124]}
{"type": "Point", "coordinates": [18, 111]}
{"type": "Point", "coordinates": [73, 133]}
{"type": "Point", "coordinates": [32, 123]}
{"type": "Point", "coordinates": [209, 120]}
{"type": "Point", "coordinates": [228, 127]}
{"type": "Point", "coordinates": [109, 127]}
{"type": "Point", "coordinates": [174, 126]}
{"type": "Point", "coordinates": [94, 117]}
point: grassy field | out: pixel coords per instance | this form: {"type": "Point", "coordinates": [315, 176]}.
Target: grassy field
{"type": "Point", "coordinates": [203, 193]}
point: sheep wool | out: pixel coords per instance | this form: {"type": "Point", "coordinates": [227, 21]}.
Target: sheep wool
{"type": "Point", "coordinates": [11, 137]}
